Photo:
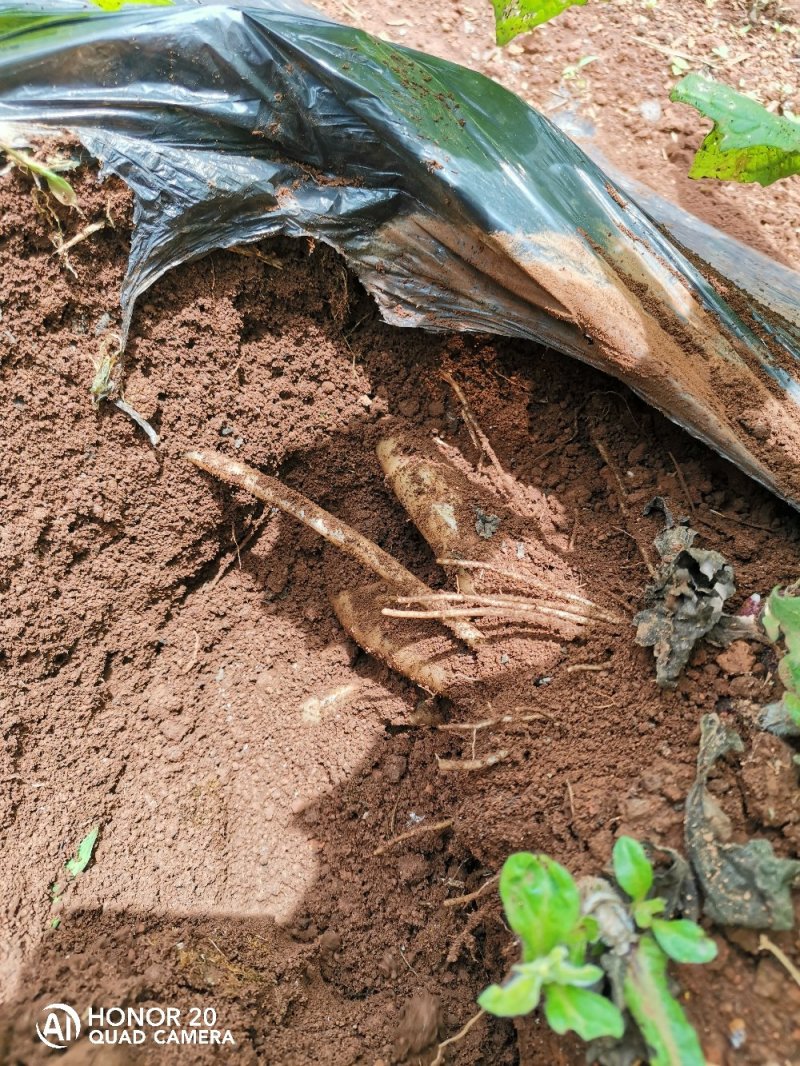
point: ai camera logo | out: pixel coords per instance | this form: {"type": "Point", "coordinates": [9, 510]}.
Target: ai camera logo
{"type": "Point", "coordinates": [60, 1027]}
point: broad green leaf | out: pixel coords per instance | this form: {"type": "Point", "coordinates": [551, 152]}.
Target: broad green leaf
{"type": "Point", "coordinates": [541, 901]}
{"type": "Point", "coordinates": [83, 856]}
{"type": "Point", "coordinates": [632, 868]}
{"type": "Point", "coordinates": [747, 142]}
{"type": "Point", "coordinates": [586, 1013]}
{"type": "Point", "coordinates": [670, 1036]}
{"type": "Point", "coordinates": [684, 941]}
{"type": "Point", "coordinates": [519, 995]}
{"type": "Point", "coordinates": [513, 17]}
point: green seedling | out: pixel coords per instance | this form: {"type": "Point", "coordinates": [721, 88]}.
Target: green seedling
{"type": "Point", "coordinates": [561, 941]}
{"type": "Point", "coordinates": [571, 72]}
{"type": "Point", "coordinates": [59, 187]}
{"type": "Point", "coordinates": [543, 906]}
{"type": "Point", "coordinates": [72, 868]}
{"type": "Point", "coordinates": [781, 620]}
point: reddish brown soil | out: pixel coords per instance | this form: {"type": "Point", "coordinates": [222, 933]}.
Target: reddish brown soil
{"type": "Point", "coordinates": [157, 683]}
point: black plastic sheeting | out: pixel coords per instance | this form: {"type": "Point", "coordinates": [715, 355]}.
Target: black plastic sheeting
{"type": "Point", "coordinates": [458, 206]}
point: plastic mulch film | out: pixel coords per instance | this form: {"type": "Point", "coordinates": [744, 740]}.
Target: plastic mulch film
{"type": "Point", "coordinates": [457, 205]}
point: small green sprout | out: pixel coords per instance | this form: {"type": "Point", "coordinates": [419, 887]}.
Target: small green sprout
{"type": "Point", "coordinates": [561, 941]}
{"type": "Point", "coordinates": [59, 187]}
{"type": "Point", "coordinates": [73, 868]}
{"type": "Point", "coordinates": [571, 72]}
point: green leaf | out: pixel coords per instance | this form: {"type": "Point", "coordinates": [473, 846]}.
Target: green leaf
{"type": "Point", "coordinates": [586, 1013]}
{"type": "Point", "coordinates": [645, 910]}
{"type": "Point", "coordinates": [792, 705]}
{"type": "Point", "coordinates": [747, 142]}
{"type": "Point", "coordinates": [519, 995]}
{"type": "Point", "coordinates": [58, 186]}
{"type": "Point", "coordinates": [513, 17]}
{"type": "Point", "coordinates": [684, 941]}
{"type": "Point", "coordinates": [83, 856]}
{"type": "Point", "coordinates": [632, 868]}
{"type": "Point", "coordinates": [671, 1038]}
{"type": "Point", "coordinates": [563, 972]}
{"type": "Point", "coordinates": [784, 609]}
{"type": "Point", "coordinates": [115, 5]}
{"type": "Point", "coordinates": [541, 901]}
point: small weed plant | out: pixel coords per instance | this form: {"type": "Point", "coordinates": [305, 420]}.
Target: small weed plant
{"type": "Point", "coordinates": [576, 943]}
{"type": "Point", "coordinates": [781, 620]}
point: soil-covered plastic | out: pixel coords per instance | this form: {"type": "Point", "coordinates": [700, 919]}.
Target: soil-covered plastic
{"type": "Point", "coordinates": [458, 205]}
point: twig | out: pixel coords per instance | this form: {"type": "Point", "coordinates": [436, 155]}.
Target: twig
{"type": "Point", "coordinates": [505, 482]}
{"type": "Point", "coordinates": [447, 766]}
{"type": "Point", "coordinates": [454, 1039]}
{"type": "Point", "coordinates": [435, 827]}
{"type": "Point", "coordinates": [683, 484]}
{"type": "Point", "coordinates": [741, 521]}
{"type": "Point", "coordinates": [664, 50]}
{"type": "Point", "coordinates": [255, 531]}
{"type": "Point", "coordinates": [462, 901]}
{"type": "Point", "coordinates": [332, 529]}
{"type": "Point", "coordinates": [622, 497]}
{"type": "Point", "coordinates": [765, 944]}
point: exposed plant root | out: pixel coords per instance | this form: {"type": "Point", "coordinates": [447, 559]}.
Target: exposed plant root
{"type": "Point", "coordinates": [465, 936]}
{"type": "Point", "coordinates": [455, 1039]}
{"type": "Point", "coordinates": [765, 944]}
{"type": "Point", "coordinates": [141, 422]}
{"type": "Point", "coordinates": [505, 482]}
{"type": "Point", "coordinates": [517, 603]}
{"type": "Point", "coordinates": [526, 579]}
{"type": "Point", "coordinates": [256, 253]}
{"type": "Point", "coordinates": [490, 723]}
{"type": "Point", "coordinates": [62, 247]}
{"type": "Point", "coordinates": [682, 482]}
{"type": "Point", "coordinates": [470, 612]}
{"type": "Point", "coordinates": [470, 897]}
{"type": "Point", "coordinates": [332, 529]}
{"type": "Point", "coordinates": [435, 827]}
{"type": "Point", "coordinates": [622, 497]}
{"type": "Point", "coordinates": [408, 654]}
{"type": "Point", "coordinates": [449, 766]}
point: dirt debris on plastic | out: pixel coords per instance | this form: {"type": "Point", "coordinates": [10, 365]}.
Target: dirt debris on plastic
{"type": "Point", "coordinates": [166, 679]}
